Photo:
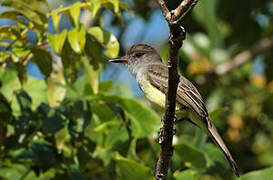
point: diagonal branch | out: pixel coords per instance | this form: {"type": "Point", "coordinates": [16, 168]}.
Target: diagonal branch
{"type": "Point", "coordinates": [183, 9]}
{"type": "Point", "coordinates": [165, 11]}
{"type": "Point", "coordinates": [245, 56]}
{"type": "Point", "coordinates": [177, 14]}
{"type": "Point", "coordinates": [177, 35]}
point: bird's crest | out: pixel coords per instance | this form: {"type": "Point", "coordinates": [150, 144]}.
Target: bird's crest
{"type": "Point", "coordinates": [140, 47]}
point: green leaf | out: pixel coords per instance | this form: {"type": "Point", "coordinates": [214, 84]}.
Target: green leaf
{"type": "Point", "coordinates": [106, 126]}
{"type": "Point", "coordinates": [5, 117]}
{"type": "Point", "coordinates": [9, 82]}
{"type": "Point", "coordinates": [56, 18]}
{"type": "Point", "coordinates": [216, 113]}
{"type": "Point", "coordinates": [107, 39]}
{"type": "Point", "coordinates": [91, 74]}
{"type": "Point", "coordinates": [53, 120]}
{"type": "Point", "coordinates": [5, 109]}
{"type": "Point", "coordinates": [144, 121]}
{"type": "Point", "coordinates": [94, 51]}
{"type": "Point", "coordinates": [264, 174]}
{"type": "Point", "coordinates": [187, 175]}
{"type": "Point", "coordinates": [20, 51]}
{"type": "Point", "coordinates": [79, 115]}
{"type": "Point", "coordinates": [105, 86]}
{"type": "Point", "coordinates": [60, 137]}
{"type": "Point", "coordinates": [10, 33]}
{"type": "Point", "coordinates": [43, 59]}
{"type": "Point", "coordinates": [129, 169]}
{"type": "Point", "coordinates": [57, 41]}
{"type": "Point", "coordinates": [24, 101]}
{"type": "Point", "coordinates": [22, 73]}
{"type": "Point", "coordinates": [74, 11]}
{"type": "Point", "coordinates": [95, 5]}
{"type": "Point", "coordinates": [30, 9]}
{"type": "Point", "coordinates": [216, 160]}
{"type": "Point", "coordinates": [76, 39]}
{"type": "Point", "coordinates": [71, 62]}
{"type": "Point", "coordinates": [43, 156]}
{"type": "Point", "coordinates": [191, 156]}
{"type": "Point", "coordinates": [115, 4]}
{"type": "Point", "coordinates": [12, 173]}
{"type": "Point", "coordinates": [56, 92]}
{"type": "Point", "coordinates": [37, 90]}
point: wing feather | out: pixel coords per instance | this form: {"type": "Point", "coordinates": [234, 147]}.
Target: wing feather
{"type": "Point", "coordinates": [187, 94]}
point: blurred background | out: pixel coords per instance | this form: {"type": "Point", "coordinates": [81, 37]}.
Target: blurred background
{"type": "Point", "coordinates": [228, 55]}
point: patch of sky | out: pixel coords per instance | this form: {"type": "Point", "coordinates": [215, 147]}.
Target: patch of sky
{"type": "Point", "coordinates": [258, 66]}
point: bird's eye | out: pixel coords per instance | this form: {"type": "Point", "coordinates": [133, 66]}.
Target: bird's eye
{"type": "Point", "coordinates": [139, 54]}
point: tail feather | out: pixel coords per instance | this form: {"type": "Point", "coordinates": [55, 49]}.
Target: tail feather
{"type": "Point", "coordinates": [220, 143]}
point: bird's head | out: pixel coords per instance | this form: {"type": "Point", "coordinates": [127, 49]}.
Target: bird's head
{"type": "Point", "coordinates": [139, 55]}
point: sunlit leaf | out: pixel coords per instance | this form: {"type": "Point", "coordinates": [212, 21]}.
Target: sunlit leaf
{"type": "Point", "coordinates": [115, 4]}
{"type": "Point", "coordinates": [264, 174]}
{"type": "Point", "coordinates": [10, 33]}
{"type": "Point", "coordinates": [91, 74]}
{"type": "Point", "coordinates": [74, 11]}
{"type": "Point", "coordinates": [143, 120]}
{"type": "Point", "coordinates": [57, 41]}
{"type": "Point", "coordinates": [9, 82]}
{"type": "Point", "coordinates": [95, 5]}
{"type": "Point", "coordinates": [129, 169]}
{"type": "Point", "coordinates": [187, 174]}
{"type": "Point", "coordinates": [56, 92]}
{"type": "Point", "coordinates": [107, 39]}
{"type": "Point", "coordinates": [30, 9]}
{"type": "Point", "coordinates": [37, 90]}
{"type": "Point", "coordinates": [76, 39]}
{"type": "Point", "coordinates": [60, 137]}
{"type": "Point", "coordinates": [56, 18]}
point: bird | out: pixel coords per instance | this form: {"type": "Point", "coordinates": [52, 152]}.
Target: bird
{"type": "Point", "coordinates": [146, 65]}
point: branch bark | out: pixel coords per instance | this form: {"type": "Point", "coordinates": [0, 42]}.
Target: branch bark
{"type": "Point", "coordinates": [177, 35]}
{"type": "Point", "coordinates": [245, 56]}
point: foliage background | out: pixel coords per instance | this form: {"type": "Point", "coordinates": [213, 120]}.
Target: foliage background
{"type": "Point", "coordinates": [62, 116]}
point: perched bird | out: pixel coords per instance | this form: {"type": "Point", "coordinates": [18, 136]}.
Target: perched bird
{"type": "Point", "coordinates": [152, 76]}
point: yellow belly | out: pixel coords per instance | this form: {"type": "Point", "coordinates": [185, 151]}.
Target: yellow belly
{"type": "Point", "coordinates": [155, 96]}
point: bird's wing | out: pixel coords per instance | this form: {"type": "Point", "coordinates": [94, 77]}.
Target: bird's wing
{"type": "Point", "coordinates": [187, 94]}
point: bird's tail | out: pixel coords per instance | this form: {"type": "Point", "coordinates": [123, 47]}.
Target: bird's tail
{"type": "Point", "coordinates": [220, 143]}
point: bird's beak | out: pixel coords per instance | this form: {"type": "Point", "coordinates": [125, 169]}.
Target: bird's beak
{"type": "Point", "coordinates": [119, 60]}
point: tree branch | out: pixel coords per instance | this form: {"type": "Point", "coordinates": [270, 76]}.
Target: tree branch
{"type": "Point", "coordinates": [184, 7]}
{"type": "Point", "coordinates": [245, 56]}
{"type": "Point", "coordinates": [177, 35]}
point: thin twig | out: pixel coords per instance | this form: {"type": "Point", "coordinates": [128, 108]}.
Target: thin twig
{"type": "Point", "coordinates": [184, 7]}
{"type": "Point", "coordinates": [177, 35]}
{"type": "Point", "coordinates": [165, 11]}
{"type": "Point", "coordinates": [245, 56]}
